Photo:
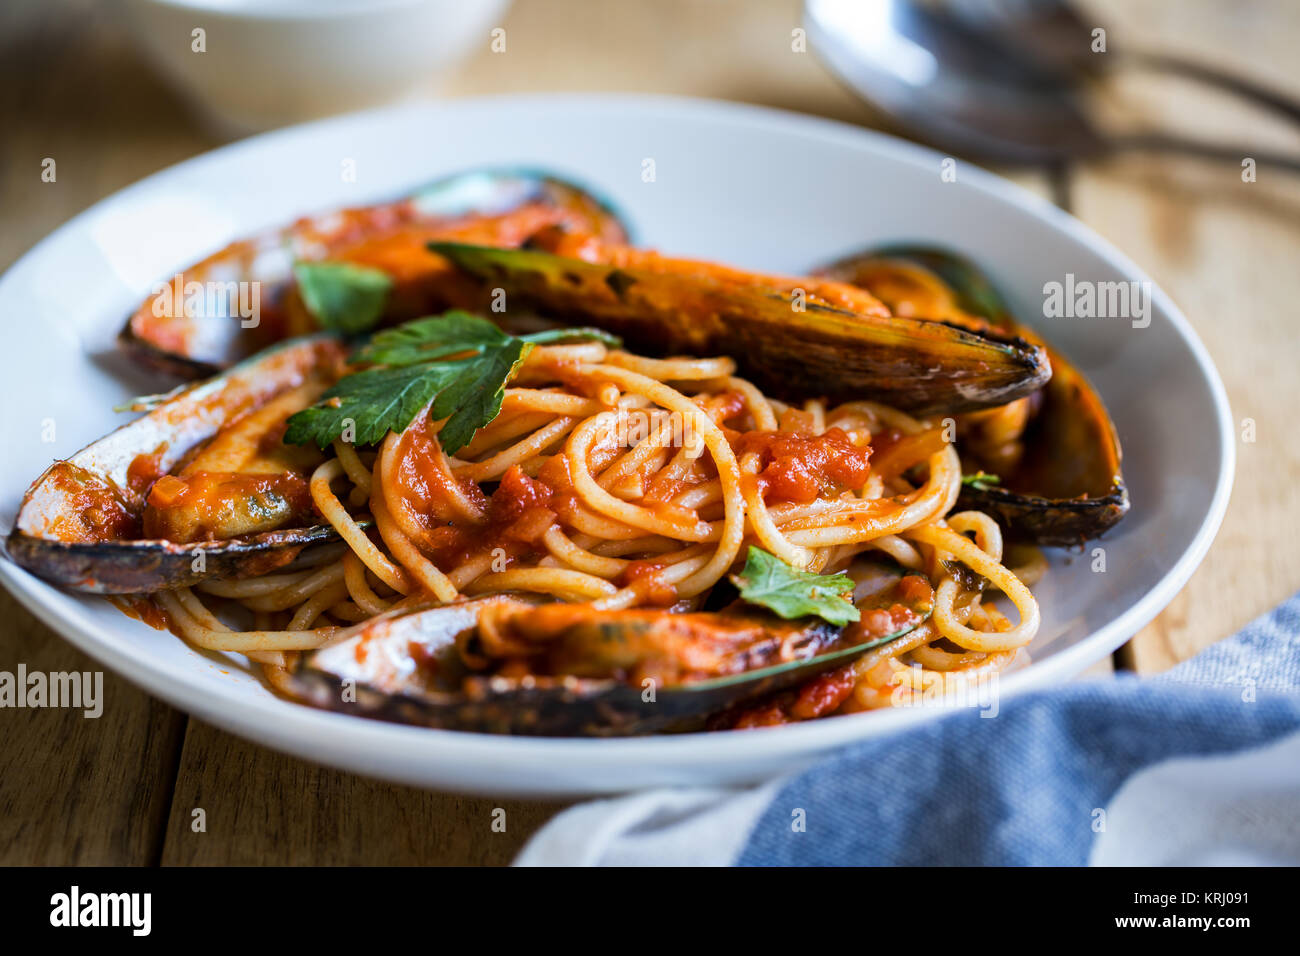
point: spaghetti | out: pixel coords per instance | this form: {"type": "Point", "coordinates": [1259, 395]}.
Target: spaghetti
{"type": "Point", "coordinates": [622, 482]}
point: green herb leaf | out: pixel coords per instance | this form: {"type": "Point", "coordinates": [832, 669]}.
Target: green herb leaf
{"type": "Point", "coordinates": [980, 481]}
{"type": "Point", "coordinates": [579, 334]}
{"type": "Point", "coordinates": [373, 402]}
{"type": "Point", "coordinates": [768, 581]}
{"type": "Point", "coordinates": [342, 296]}
{"type": "Point", "coordinates": [431, 339]}
{"type": "Point", "coordinates": [458, 361]}
{"type": "Point", "coordinates": [474, 398]}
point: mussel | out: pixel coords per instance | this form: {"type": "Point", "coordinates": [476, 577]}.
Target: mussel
{"type": "Point", "coordinates": [787, 334]}
{"type": "Point", "coordinates": [1056, 457]}
{"type": "Point", "coordinates": [244, 297]}
{"type": "Point", "coordinates": [589, 673]}
{"type": "Point", "coordinates": [189, 490]}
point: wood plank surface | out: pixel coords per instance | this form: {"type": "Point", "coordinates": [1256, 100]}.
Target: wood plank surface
{"type": "Point", "coordinates": [77, 789]}
{"type": "Point", "coordinates": [1226, 251]}
{"type": "Point", "coordinates": [261, 807]}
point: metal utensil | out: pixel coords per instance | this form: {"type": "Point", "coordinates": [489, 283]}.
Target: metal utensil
{"type": "Point", "coordinates": [939, 79]}
{"type": "Point", "coordinates": [1053, 40]}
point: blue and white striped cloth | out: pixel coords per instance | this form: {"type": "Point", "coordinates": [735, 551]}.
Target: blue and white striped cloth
{"type": "Point", "coordinates": [1199, 766]}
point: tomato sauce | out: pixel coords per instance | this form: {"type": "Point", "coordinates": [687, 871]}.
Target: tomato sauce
{"type": "Point", "coordinates": [144, 470]}
{"type": "Point", "coordinates": [517, 514]}
{"type": "Point", "coordinates": [642, 576]}
{"type": "Point", "coordinates": [722, 406]}
{"type": "Point", "coordinates": [92, 509]}
{"type": "Point", "coordinates": [800, 468]}
{"type": "Point", "coordinates": [425, 484]}
{"type": "Point", "coordinates": [822, 695]}
{"type": "Point", "coordinates": [911, 593]}
{"type": "Point", "coordinates": [520, 508]}
{"type": "Point", "coordinates": [142, 609]}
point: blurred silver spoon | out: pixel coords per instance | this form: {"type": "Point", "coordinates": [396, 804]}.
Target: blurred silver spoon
{"type": "Point", "coordinates": [1053, 40]}
{"type": "Point", "coordinates": [937, 77]}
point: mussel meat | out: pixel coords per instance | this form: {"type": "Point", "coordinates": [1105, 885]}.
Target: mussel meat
{"type": "Point", "coordinates": [793, 337]}
{"type": "Point", "coordinates": [194, 325]}
{"type": "Point", "coordinates": [572, 670]}
{"type": "Point", "coordinates": [189, 490]}
{"type": "Point", "coordinates": [1056, 455]}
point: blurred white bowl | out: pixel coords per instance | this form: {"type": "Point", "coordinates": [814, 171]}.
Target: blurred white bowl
{"type": "Point", "coordinates": [266, 63]}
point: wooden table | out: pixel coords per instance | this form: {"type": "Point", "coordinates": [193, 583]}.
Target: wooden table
{"type": "Point", "coordinates": [123, 790]}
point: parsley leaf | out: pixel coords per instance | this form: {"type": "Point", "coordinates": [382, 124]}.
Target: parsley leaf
{"type": "Point", "coordinates": [431, 339]}
{"type": "Point", "coordinates": [578, 334]}
{"type": "Point", "coordinates": [459, 362]}
{"type": "Point", "coordinates": [456, 332]}
{"type": "Point", "coordinates": [768, 581]}
{"type": "Point", "coordinates": [343, 296]}
{"type": "Point", "coordinates": [474, 398]}
{"type": "Point", "coordinates": [372, 402]}
{"type": "Point", "coordinates": [981, 481]}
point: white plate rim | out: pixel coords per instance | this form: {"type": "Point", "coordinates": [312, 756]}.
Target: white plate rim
{"type": "Point", "coordinates": [353, 743]}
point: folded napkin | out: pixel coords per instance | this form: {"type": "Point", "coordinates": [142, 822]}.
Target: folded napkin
{"type": "Point", "coordinates": [1198, 766]}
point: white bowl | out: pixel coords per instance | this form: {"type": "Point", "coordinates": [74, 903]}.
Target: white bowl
{"type": "Point", "coordinates": [266, 64]}
{"type": "Point", "coordinates": [755, 188]}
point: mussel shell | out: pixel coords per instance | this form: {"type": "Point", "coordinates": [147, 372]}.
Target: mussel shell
{"type": "Point", "coordinates": [544, 706]}
{"type": "Point", "coordinates": [792, 349]}
{"type": "Point", "coordinates": [1068, 486]}
{"type": "Point", "coordinates": [108, 563]}
{"type": "Point", "coordinates": [371, 672]}
{"type": "Point", "coordinates": [495, 191]}
{"type": "Point", "coordinates": [141, 567]}
{"type": "Point", "coordinates": [191, 347]}
{"type": "Point", "coordinates": [958, 279]}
